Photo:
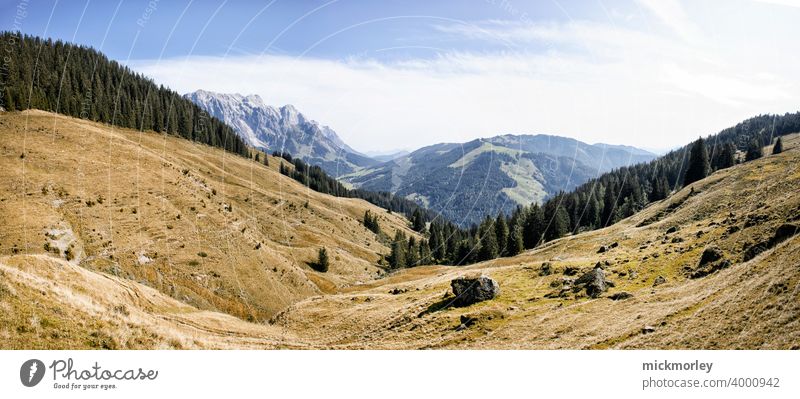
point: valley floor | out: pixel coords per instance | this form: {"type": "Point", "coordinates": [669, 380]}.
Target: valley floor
{"type": "Point", "coordinates": [748, 299]}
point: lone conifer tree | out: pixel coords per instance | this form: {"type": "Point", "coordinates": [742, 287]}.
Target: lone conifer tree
{"type": "Point", "coordinates": [699, 166]}
{"type": "Point", "coordinates": [778, 147]}
{"type": "Point", "coordinates": [322, 261]}
{"type": "Point", "coordinates": [754, 151]}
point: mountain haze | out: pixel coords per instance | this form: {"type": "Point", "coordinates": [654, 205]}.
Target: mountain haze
{"type": "Point", "coordinates": [282, 129]}
{"type": "Point", "coordinates": [466, 181]}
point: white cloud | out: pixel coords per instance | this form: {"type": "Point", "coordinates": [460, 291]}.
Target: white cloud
{"type": "Point", "coordinates": [595, 82]}
{"type": "Point", "coordinates": [787, 3]}
{"type": "Point", "coordinates": [672, 14]}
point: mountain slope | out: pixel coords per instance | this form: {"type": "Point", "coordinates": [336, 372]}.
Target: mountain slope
{"type": "Point", "coordinates": [81, 82]}
{"type": "Point", "coordinates": [282, 129]}
{"type": "Point", "coordinates": [217, 231]}
{"type": "Point", "coordinates": [466, 181]}
{"type": "Point", "coordinates": [752, 303]}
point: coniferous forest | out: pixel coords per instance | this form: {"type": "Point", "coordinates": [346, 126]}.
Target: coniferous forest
{"type": "Point", "coordinates": [81, 82]}
{"type": "Point", "coordinates": [597, 203]}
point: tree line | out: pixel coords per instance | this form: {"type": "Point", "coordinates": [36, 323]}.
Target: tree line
{"type": "Point", "coordinates": [595, 204]}
{"type": "Point", "coordinates": [315, 178]}
{"type": "Point", "coordinates": [81, 82]}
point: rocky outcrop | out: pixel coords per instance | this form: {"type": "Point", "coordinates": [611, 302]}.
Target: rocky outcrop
{"type": "Point", "coordinates": [469, 290]}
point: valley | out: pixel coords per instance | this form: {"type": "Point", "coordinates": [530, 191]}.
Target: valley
{"type": "Point", "coordinates": [119, 239]}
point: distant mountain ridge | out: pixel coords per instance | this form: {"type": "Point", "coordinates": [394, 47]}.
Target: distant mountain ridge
{"type": "Point", "coordinates": [282, 129]}
{"type": "Point", "coordinates": [466, 181]}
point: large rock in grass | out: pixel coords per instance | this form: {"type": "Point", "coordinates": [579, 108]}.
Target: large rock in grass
{"type": "Point", "coordinates": [469, 290]}
{"type": "Point", "coordinates": [711, 260]}
{"type": "Point", "coordinates": [593, 282]}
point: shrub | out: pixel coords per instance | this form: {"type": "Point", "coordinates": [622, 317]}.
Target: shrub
{"type": "Point", "coordinates": [322, 263]}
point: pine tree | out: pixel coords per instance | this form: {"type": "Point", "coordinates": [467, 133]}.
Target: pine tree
{"type": "Point", "coordinates": [322, 261]}
{"type": "Point", "coordinates": [515, 244]}
{"type": "Point", "coordinates": [425, 257]}
{"type": "Point", "coordinates": [532, 227]}
{"type": "Point", "coordinates": [754, 151]}
{"type": "Point", "coordinates": [556, 219]}
{"type": "Point", "coordinates": [778, 147]}
{"type": "Point", "coordinates": [412, 252]}
{"type": "Point", "coordinates": [609, 205]}
{"type": "Point", "coordinates": [501, 233]}
{"type": "Point", "coordinates": [371, 222]}
{"type": "Point", "coordinates": [417, 221]}
{"type": "Point", "coordinates": [397, 259]}
{"type": "Point", "coordinates": [699, 166]}
{"type": "Point", "coordinates": [488, 239]}
{"type": "Point", "coordinates": [725, 157]}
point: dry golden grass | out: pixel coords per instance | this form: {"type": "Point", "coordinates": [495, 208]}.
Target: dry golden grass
{"type": "Point", "coordinates": [216, 231]}
{"type": "Point", "coordinates": [751, 304]}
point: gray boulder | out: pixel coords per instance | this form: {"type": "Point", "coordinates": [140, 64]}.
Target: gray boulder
{"type": "Point", "coordinates": [593, 282]}
{"type": "Point", "coordinates": [469, 290]}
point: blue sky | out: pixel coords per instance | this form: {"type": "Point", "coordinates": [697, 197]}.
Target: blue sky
{"type": "Point", "coordinates": [402, 74]}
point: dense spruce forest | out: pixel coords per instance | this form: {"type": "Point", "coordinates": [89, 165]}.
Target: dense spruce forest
{"type": "Point", "coordinates": [81, 82]}
{"type": "Point", "coordinates": [315, 178]}
{"type": "Point", "coordinates": [595, 204]}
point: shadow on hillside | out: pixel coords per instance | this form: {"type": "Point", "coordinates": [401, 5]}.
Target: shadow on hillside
{"type": "Point", "coordinates": [445, 303]}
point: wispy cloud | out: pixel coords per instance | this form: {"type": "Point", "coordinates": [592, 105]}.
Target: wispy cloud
{"type": "Point", "coordinates": [787, 3]}
{"type": "Point", "coordinates": [590, 80]}
{"type": "Point", "coordinates": [672, 14]}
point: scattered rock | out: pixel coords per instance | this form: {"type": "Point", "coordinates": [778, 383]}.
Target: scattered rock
{"type": "Point", "coordinates": [710, 261]}
{"type": "Point", "coordinates": [602, 249]}
{"type": "Point", "coordinates": [398, 291]}
{"type": "Point", "coordinates": [621, 296]}
{"type": "Point", "coordinates": [466, 322]}
{"type": "Point", "coordinates": [732, 229]}
{"type": "Point", "coordinates": [751, 251]}
{"type": "Point", "coordinates": [783, 233]}
{"type": "Point", "coordinates": [614, 245]}
{"type": "Point", "coordinates": [778, 288]}
{"type": "Point", "coordinates": [599, 265]}
{"type": "Point", "coordinates": [710, 254]}
{"type": "Point", "coordinates": [753, 220]}
{"type": "Point", "coordinates": [676, 240]}
{"type": "Point", "coordinates": [561, 282]}
{"type": "Point", "coordinates": [546, 269]}
{"type": "Point", "coordinates": [570, 271]}
{"type": "Point", "coordinates": [144, 259]}
{"type": "Point", "coordinates": [659, 280]}
{"type": "Point", "coordinates": [648, 329]}
{"type": "Point", "coordinates": [672, 229]}
{"type": "Point", "coordinates": [479, 318]}
{"type": "Point", "coordinates": [469, 290]}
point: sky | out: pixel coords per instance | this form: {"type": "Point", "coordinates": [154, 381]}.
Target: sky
{"type": "Point", "coordinates": [394, 75]}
